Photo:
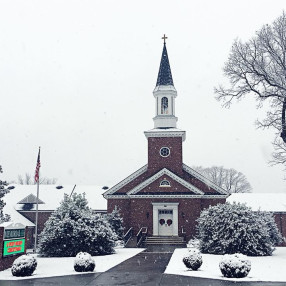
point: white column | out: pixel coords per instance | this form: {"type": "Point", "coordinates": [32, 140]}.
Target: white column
{"type": "Point", "coordinates": [155, 220]}
{"type": "Point", "coordinates": [175, 219]}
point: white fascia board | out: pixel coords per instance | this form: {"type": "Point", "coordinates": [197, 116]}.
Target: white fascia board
{"type": "Point", "coordinates": [171, 175]}
{"type": "Point", "coordinates": [170, 132]}
{"type": "Point", "coordinates": [125, 181]}
{"type": "Point", "coordinates": [204, 180]}
{"type": "Point", "coordinates": [166, 196]}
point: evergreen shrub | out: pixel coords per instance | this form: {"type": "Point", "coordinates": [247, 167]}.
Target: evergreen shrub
{"type": "Point", "coordinates": [73, 228]}
{"type": "Point", "coordinates": [235, 228]}
{"type": "Point", "coordinates": [116, 222]}
{"type": "Point", "coordinates": [235, 265]}
{"type": "Point", "coordinates": [194, 259]}
{"type": "Point", "coordinates": [84, 262]}
{"type": "Point", "coordinates": [24, 265]}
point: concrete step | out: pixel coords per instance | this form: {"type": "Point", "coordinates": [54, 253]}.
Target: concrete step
{"type": "Point", "coordinates": [164, 240]}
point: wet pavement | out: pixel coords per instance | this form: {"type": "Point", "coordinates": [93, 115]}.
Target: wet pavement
{"type": "Point", "coordinates": [146, 268]}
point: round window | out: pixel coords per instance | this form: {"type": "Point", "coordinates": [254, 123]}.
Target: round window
{"type": "Point", "coordinates": [164, 151]}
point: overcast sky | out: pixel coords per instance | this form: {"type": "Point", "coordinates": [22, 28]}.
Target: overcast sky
{"type": "Point", "coordinates": [76, 78]}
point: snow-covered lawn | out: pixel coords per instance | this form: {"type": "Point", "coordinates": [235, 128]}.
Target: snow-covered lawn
{"type": "Point", "coordinates": [267, 268]}
{"type": "Point", "coordinates": [59, 266]}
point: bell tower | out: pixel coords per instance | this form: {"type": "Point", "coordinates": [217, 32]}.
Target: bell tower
{"type": "Point", "coordinates": [165, 139]}
{"type": "Point", "coordinates": [165, 94]}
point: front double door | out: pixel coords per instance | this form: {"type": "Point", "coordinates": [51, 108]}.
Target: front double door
{"type": "Point", "coordinates": [165, 221]}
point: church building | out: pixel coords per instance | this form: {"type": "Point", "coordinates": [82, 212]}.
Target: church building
{"type": "Point", "coordinates": [165, 196]}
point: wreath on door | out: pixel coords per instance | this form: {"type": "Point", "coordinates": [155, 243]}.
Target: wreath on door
{"type": "Point", "coordinates": [169, 222]}
{"type": "Point", "coordinates": [162, 221]}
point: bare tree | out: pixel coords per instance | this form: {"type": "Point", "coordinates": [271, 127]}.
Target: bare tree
{"type": "Point", "coordinates": [229, 179]}
{"type": "Point", "coordinates": [258, 68]}
{"type": "Point", "coordinates": [28, 180]}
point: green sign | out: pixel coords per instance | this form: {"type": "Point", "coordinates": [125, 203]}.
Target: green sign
{"type": "Point", "coordinates": [14, 233]}
{"type": "Point", "coordinates": [13, 246]}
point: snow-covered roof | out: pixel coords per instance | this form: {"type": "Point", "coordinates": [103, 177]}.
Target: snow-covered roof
{"type": "Point", "coordinates": [51, 196]}
{"type": "Point", "coordinates": [274, 202]}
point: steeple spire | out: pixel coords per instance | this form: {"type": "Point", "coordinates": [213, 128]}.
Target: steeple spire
{"type": "Point", "coordinates": [164, 75]}
{"type": "Point", "coordinates": [165, 94]}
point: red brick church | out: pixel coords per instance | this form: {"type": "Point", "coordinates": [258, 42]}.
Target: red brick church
{"type": "Point", "coordinates": [165, 196]}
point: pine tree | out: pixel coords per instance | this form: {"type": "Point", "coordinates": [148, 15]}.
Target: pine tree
{"type": "Point", "coordinates": [73, 228]}
{"type": "Point", "coordinates": [3, 192]}
{"type": "Point", "coordinates": [235, 228]}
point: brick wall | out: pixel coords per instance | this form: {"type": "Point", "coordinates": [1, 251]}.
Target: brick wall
{"type": "Point", "coordinates": [138, 213]}
{"type": "Point", "coordinates": [280, 219]}
{"type": "Point", "coordinates": [173, 162]}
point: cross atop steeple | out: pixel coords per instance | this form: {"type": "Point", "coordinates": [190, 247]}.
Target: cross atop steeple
{"type": "Point", "coordinates": [164, 38]}
{"type": "Point", "coordinates": [164, 75]}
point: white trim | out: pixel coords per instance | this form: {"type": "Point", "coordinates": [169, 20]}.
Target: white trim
{"type": "Point", "coordinates": [204, 180]}
{"type": "Point", "coordinates": [158, 175]}
{"type": "Point", "coordinates": [127, 180]}
{"type": "Point", "coordinates": [172, 206]}
{"type": "Point", "coordinates": [117, 197]}
{"type": "Point", "coordinates": [168, 132]}
{"type": "Point", "coordinates": [167, 196]}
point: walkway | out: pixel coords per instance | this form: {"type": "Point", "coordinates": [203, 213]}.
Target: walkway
{"type": "Point", "coordinates": [146, 268]}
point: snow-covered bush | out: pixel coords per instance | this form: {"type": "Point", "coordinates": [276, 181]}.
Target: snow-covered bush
{"type": "Point", "coordinates": [116, 222]}
{"type": "Point", "coordinates": [235, 265]}
{"type": "Point", "coordinates": [73, 228]}
{"type": "Point", "coordinates": [275, 236]}
{"type": "Point", "coordinates": [84, 262]}
{"type": "Point", "coordinates": [24, 265]}
{"type": "Point", "coordinates": [235, 228]}
{"type": "Point", "coordinates": [194, 259]}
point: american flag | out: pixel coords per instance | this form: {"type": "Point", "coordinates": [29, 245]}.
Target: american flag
{"type": "Point", "coordinates": [37, 172]}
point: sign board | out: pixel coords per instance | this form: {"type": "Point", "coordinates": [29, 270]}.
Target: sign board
{"type": "Point", "coordinates": [13, 247]}
{"type": "Point", "coordinates": [14, 233]}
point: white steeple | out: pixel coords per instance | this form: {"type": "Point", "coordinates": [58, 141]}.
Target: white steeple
{"type": "Point", "coordinates": [165, 94]}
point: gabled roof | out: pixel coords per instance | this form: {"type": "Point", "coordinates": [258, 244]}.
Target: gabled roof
{"type": "Point", "coordinates": [164, 75]}
{"type": "Point", "coordinates": [30, 199]}
{"type": "Point", "coordinates": [204, 180]}
{"type": "Point", "coordinates": [127, 180]}
{"type": "Point", "coordinates": [167, 172]}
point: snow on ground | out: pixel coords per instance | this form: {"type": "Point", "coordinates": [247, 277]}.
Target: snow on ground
{"type": "Point", "coordinates": [266, 268]}
{"type": "Point", "coordinates": [59, 266]}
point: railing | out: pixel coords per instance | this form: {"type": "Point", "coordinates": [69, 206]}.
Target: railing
{"type": "Point", "coordinates": [141, 235]}
{"type": "Point", "coordinates": [184, 233]}
{"type": "Point", "coordinates": [128, 235]}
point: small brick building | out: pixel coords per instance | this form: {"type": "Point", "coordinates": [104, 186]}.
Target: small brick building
{"type": "Point", "coordinates": [165, 195]}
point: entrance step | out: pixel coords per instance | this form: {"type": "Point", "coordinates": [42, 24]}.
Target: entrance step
{"type": "Point", "coordinates": [164, 240]}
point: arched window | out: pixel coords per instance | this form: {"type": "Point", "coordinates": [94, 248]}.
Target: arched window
{"type": "Point", "coordinates": [165, 183]}
{"type": "Point", "coordinates": [164, 105]}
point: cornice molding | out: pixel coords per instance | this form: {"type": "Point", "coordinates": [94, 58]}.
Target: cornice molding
{"type": "Point", "coordinates": [168, 197]}
{"type": "Point", "coordinates": [171, 175]}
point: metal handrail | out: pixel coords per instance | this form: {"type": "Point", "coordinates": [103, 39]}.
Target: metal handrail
{"type": "Point", "coordinates": [141, 235]}
{"type": "Point", "coordinates": [128, 235]}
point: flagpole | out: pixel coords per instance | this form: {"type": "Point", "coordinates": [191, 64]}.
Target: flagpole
{"type": "Point", "coordinates": [37, 179]}
{"type": "Point", "coordinates": [36, 228]}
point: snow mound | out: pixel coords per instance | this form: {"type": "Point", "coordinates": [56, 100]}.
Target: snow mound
{"type": "Point", "coordinates": [24, 265]}
{"type": "Point", "coordinates": [235, 265]}
{"type": "Point", "coordinates": [84, 262]}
